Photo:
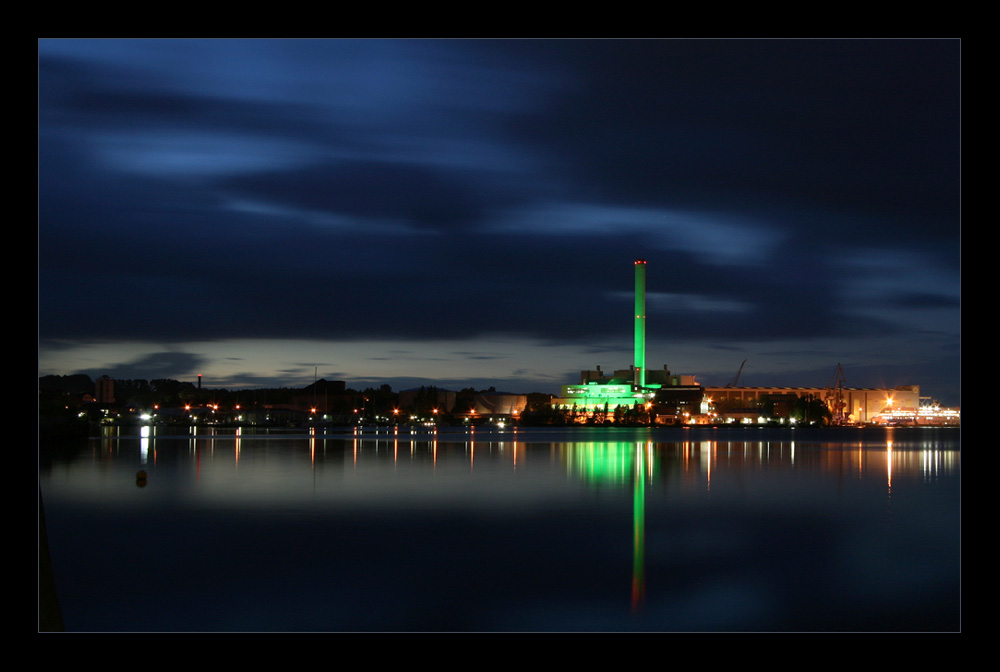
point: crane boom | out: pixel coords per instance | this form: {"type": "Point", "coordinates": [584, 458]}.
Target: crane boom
{"type": "Point", "coordinates": [734, 381]}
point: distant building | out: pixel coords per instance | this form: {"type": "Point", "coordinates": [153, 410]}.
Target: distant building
{"type": "Point", "coordinates": [428, 399]}
{"type": "Point", "coordinates": [928, 413]}
{"type": "Point", "coordinates": [324, 399]}
{"type": "Point", "coordinates": [678, 404]}
{"type": "Point", "coordinates": [499, 403]}
{"type": "Point", "coordinates": [104, 389]}
{"type": "Point", "coordinates": [595, 396]}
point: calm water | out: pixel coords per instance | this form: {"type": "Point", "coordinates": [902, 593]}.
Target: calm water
{"type": "Point", "coordinates": [536, 530]}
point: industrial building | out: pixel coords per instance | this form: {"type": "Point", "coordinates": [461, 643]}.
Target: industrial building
{"type": "Point", "coordinates": [856, 405]}
{"type": "Point", "coordinates": [498, 404]}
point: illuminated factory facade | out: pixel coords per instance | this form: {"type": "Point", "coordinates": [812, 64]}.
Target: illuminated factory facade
{"type": "Point", "coordinates": [901, 405]}
{"type": "Point", "coordinates": [637, 385]}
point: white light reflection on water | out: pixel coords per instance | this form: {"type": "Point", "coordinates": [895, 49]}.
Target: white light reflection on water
{"type": "Point", "coordinates": [608, 529]}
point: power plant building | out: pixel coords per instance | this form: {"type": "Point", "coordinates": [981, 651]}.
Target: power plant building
{"type": "Point", "coordinates": [635, 385]}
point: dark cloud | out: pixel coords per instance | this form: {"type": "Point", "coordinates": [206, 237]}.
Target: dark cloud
{"type": "Point", "coordinates": [156, 365]}
{"type": "Point", "coordinates": [928, 300]}
{"type": "Point", "coordinates": [855, 129]}
{"type": "Point", "coordinates": [363, 195]}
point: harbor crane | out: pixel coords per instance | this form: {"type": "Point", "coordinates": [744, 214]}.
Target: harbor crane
{"type": "Point", "coordinates": [835, 398]}
{"type": "Point", "coordinates": [734, 381]}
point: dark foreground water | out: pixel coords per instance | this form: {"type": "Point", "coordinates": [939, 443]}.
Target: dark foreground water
{"type": "Point", "coordinates": [708, 530]}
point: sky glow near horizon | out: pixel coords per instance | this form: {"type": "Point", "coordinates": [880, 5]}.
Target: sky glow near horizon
{"type": "Point", "coordinates": [468, 211]}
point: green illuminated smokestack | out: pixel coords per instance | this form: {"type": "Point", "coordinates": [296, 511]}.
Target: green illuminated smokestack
{"type": "Point", "coordinates": [640, 323]}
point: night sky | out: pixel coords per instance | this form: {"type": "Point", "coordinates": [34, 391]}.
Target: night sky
{"type": "Point", "coordinates": [467, 212]}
